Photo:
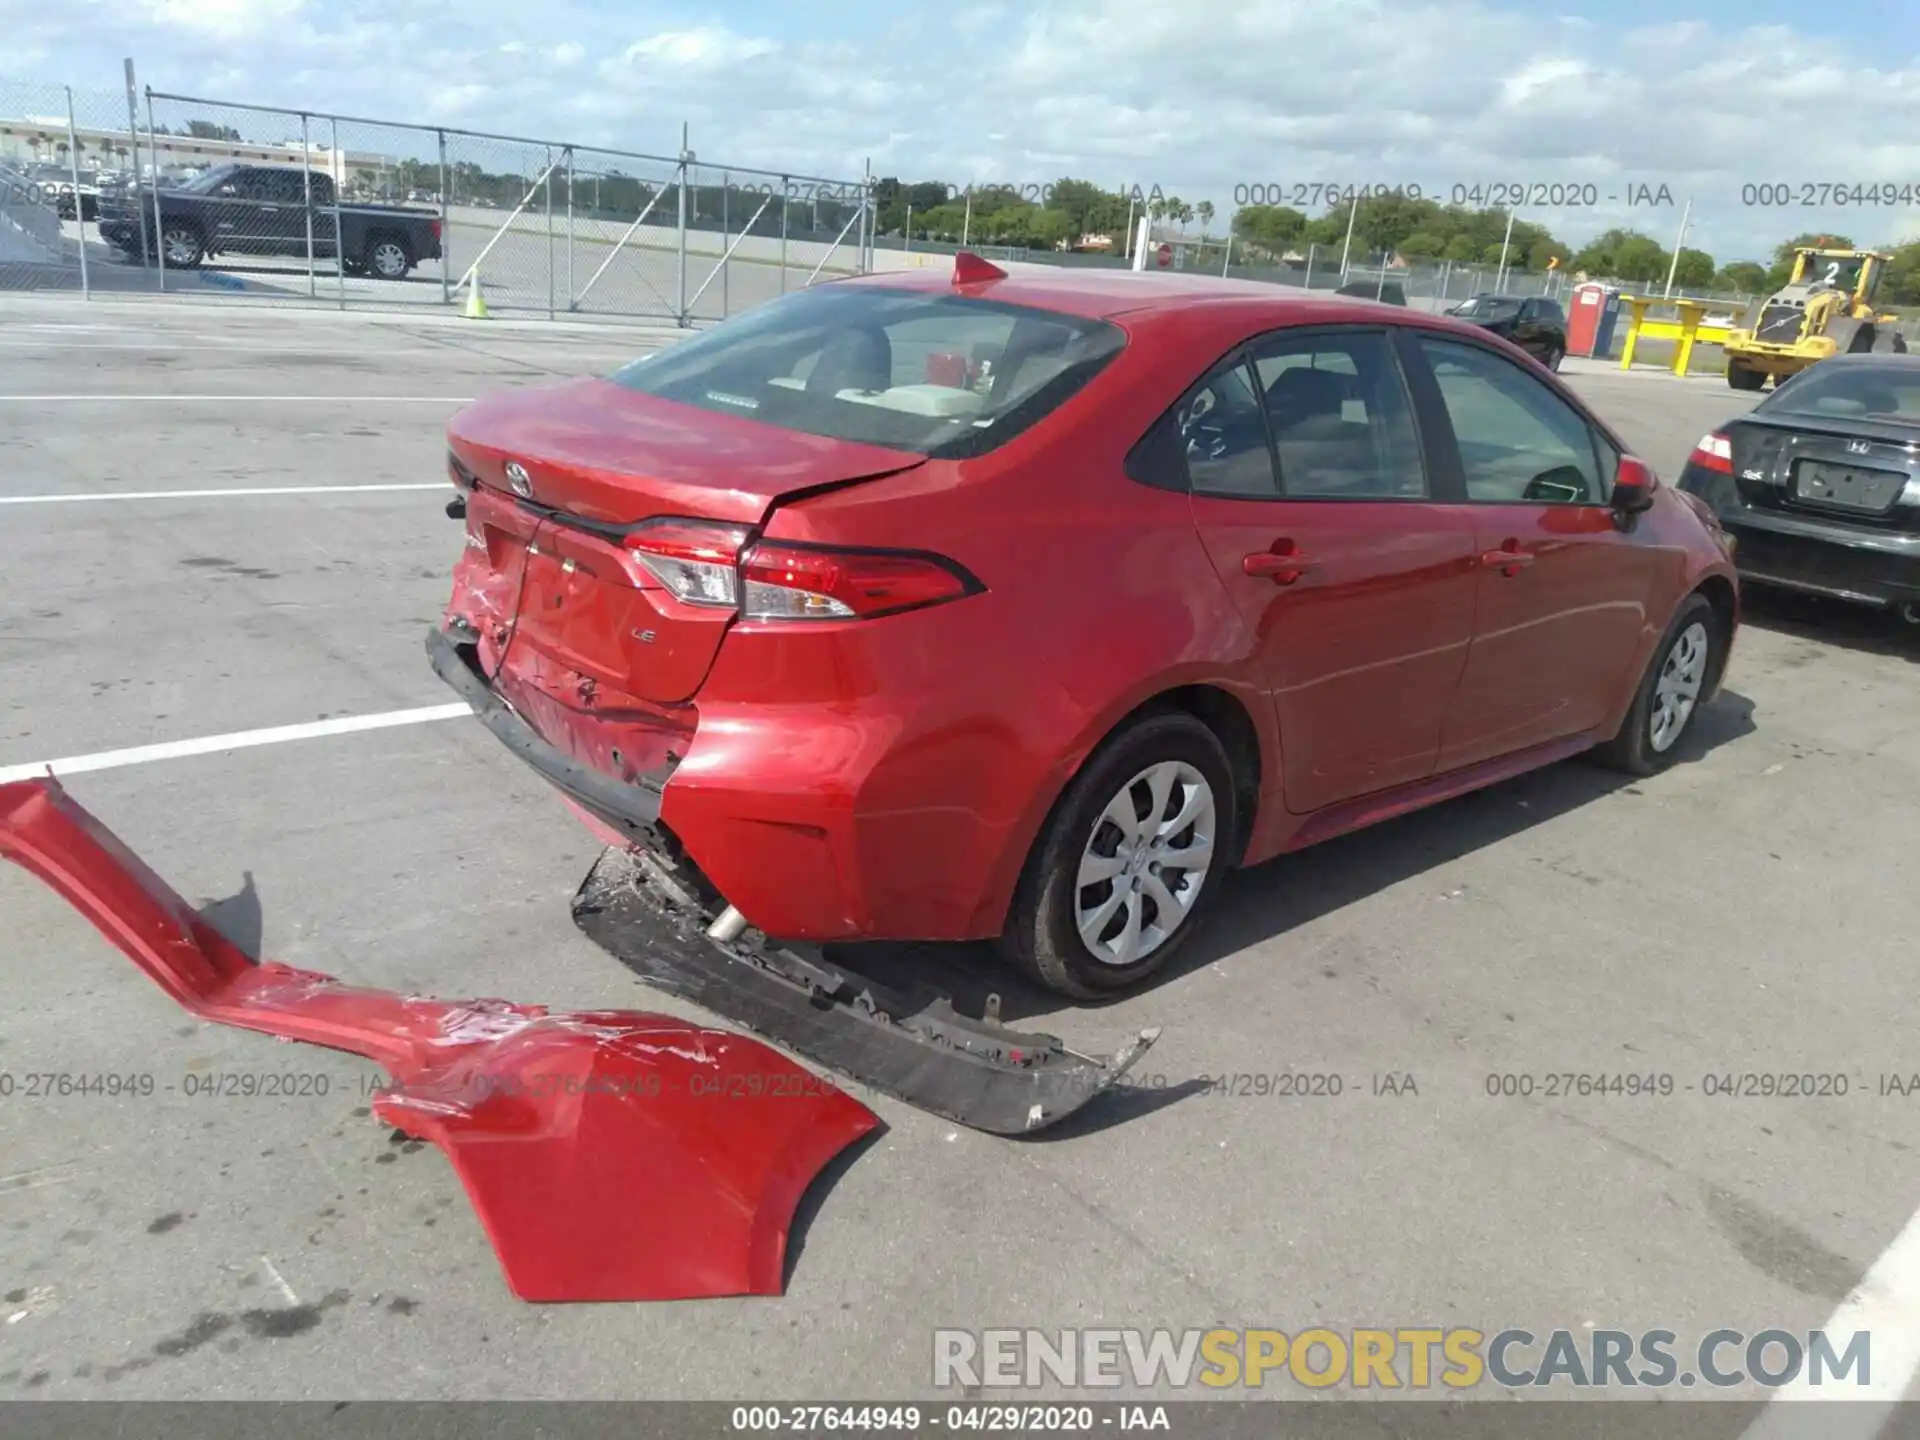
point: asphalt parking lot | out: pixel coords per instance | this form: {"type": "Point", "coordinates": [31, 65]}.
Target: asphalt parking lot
{"type": "Point", "coordinates": [584, 266]}
{"type": "Point", "coordinates": [1751, 911]}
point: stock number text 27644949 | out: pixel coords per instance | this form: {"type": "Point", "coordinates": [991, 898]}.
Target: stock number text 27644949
{"type": "Point", "coordinates": [1312, 194]}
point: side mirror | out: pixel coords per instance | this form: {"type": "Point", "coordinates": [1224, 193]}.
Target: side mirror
{"type": "Point", "coordinates": [1634, 484]}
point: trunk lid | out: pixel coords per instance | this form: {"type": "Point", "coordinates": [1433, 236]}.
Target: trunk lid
{"type": "Point", "coordinates": [1851, 471]}
{"type": "Point", "coordinates": [593, 628]}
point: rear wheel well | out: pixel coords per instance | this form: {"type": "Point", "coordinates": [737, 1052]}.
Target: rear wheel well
{"type": "Point", "coordinates": [1222, 713]}
{"type": "Point", "coordinates": [1719, 593]}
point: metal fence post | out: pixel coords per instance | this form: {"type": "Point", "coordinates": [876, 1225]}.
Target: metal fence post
{"type": "Point", "coordinates": [786, 188]}
{"type": "Point", "coordinates": [866, 212]}
{"type": "Point", "coordinates": [339, 230]}
{"type": "Point", "coordinates": [159, 225]}
{"type": "Point", "coordinates": [79, 205]}
{"type": "Point", "coordinates": [550, 265]}
{"type": "Point", "coordinates": [133, 139]}
{"type": "Point", "coordinates": [306, 192]}
{"type": "Point", "coordinates": [726, 270]}
{"type": "Point", "coordinates": [569, 227]}
{"type": "Point", "coordinates": [686, 157]}
{"type": "Point", "coordinates": [446, 231]}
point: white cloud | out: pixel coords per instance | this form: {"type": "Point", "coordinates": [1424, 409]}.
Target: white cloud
{"type": "Point", "coordinates": [224, 19]}
{"type": "Point", "coordinates": [1122, 92]}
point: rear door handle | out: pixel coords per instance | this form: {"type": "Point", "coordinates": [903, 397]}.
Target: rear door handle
{"type": "Point", "coordinates": [1509, 559]}
{"type": "Point", "coordinates": [1280, 564]}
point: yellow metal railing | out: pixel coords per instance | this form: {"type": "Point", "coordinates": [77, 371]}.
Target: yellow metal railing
{"type": "Point", "coordinates": [1688, 330]}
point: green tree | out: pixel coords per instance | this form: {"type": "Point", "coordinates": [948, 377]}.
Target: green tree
{"type": "Point", "coordinates": [1902, 283]}
{"type": "Point", "coordinates": [1461, 250]}
{"type": "Point", "coordinates": [1742, 275]}
{"type": "Point", "coordinates": [1205, 211]}
{"type": "Point", "coordinates": [1695, 270]}
{"type": "Point", "coordinates": [1422, 245]}
{"type": "Point", "coordinates": [1273, 228]}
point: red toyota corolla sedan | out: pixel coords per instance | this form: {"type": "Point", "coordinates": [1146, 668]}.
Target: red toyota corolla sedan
{"type": "Point", "coordinates": [947, 606]}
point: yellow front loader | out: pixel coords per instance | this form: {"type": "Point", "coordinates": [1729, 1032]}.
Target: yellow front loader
{"type": "Point", "coordinates": [1825, 308]}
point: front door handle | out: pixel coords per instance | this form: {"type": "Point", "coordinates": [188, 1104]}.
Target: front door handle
{"type": "Point", "coordinates": [1281, 563]}
{"type": "Point", "coordinates": [1509, 559]}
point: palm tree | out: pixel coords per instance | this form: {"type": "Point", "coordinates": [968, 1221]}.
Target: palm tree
{"type": "Point", "coordinates": [1205, 211]}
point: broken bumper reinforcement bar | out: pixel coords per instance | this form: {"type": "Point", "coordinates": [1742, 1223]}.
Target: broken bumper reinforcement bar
{"type": "Point", "coordinates": [975, 1072]}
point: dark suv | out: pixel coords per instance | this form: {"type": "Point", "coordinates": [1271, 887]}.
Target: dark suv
{"type": "Point", "coordinates": [1537, 325]}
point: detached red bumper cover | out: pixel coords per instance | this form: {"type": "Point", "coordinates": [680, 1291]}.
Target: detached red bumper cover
{"type": "Point", "coordinates": [611, 1155]}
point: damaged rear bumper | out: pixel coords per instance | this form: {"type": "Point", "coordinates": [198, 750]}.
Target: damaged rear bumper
{"type": "Point", "coordinates": [632, 810]}
{"type": "Point", "coordinates": [657, 914]}
{"type": "Point", "coordinates": [920, 1050]}
{"type": "Point", "coordinates": [610, 1155]}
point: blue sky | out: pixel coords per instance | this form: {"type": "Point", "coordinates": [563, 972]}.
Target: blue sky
{"type": "Point", "coordinates": [1704, 97]}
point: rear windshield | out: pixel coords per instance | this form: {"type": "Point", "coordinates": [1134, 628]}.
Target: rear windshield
{"type": "Point", "coordinates": [1879, 392]}
{"type": "Point", "coordinates": [1489, 307]}
{"type": "Point", "coordinates": [938, 375]}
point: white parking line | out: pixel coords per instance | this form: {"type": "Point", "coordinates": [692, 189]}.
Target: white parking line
{"type": "Point", "coordinates": [1886, 1305]}
{"type": "Point", "coordinates": [238, 740]}
{"type": "Point", "coordinates": [217, 494]}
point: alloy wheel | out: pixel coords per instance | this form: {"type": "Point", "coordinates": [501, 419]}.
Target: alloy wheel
{"type": "Point", "coordinates": [1677, 690]}
{"type": "Point", "coordinates": [389, 260]}
{"type": "Point", "coordinates": [182, 248]}
{"type": "Point", "coordinates": [1145, 863]}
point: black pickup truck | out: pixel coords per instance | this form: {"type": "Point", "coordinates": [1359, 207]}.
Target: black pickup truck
{"type": "Point", "coordinates": [270, 210]}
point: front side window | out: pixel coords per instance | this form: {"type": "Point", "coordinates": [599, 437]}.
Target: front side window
{"type": "Point", "coordinates": [1519, 442]}
{"type": "Point", "coordinates": [939, 375]}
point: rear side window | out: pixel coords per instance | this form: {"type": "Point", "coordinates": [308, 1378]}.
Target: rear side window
{"type": "Point", "coordinates": [939, 375]}
{"type": "Point", "coordinates": [1341, 421]}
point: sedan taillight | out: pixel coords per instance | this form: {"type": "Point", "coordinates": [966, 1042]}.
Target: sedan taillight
{"type": "Point", "coordinates": [713, 566]}
{"type": "Point", "coordinates": [1714, 452]}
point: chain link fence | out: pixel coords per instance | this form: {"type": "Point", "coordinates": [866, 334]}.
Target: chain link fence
{"type": "Point", "coordinates": [187, 195]}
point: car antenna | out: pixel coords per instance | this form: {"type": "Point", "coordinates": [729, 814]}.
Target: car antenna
{"type": "Point", "coordinates": [970, 269]}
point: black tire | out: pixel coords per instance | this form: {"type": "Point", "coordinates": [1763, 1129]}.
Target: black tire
{"type": "Point", "coordinates": [1042, 936]}
{"type": "Point", "coordinates": [354, 267]}
{"type": "Point", "coordinates": [1739, 377]}
{"type": "Point", "coordinates": [1636, 748]}
{"type": "Point", "coordinates": [387, 257]}
{"type": "Point", "coordinates": [1554, 357]}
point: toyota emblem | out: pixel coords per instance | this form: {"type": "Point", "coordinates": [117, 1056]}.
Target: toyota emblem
{"type": "Point", "coordinates": [518, 478]}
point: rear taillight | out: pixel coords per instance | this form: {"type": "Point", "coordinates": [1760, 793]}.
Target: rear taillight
{"type": "Point", "coordinates": [703, 564]}
{"type": "Point", "coordinates": [433, 227]}
{"type": "Point", "coordinates": [794, 582]}
{"type": "Point", "coordinates": [1714, 452]}
{"type": "Point", "coordinates": [698, 563]}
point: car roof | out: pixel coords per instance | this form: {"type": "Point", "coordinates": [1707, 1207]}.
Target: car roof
{"type": "Point", "coordinates": [1105, 294]}
{"type": "Point", "coordinates": [1870, 361]}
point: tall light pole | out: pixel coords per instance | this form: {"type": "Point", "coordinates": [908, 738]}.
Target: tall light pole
{"type": "Point", "coordinates": [1506, 244]}
{"type": "Point", "coordinates": [1345, 250]}
{"type": "Point", "coordinates": [1673, 269]}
